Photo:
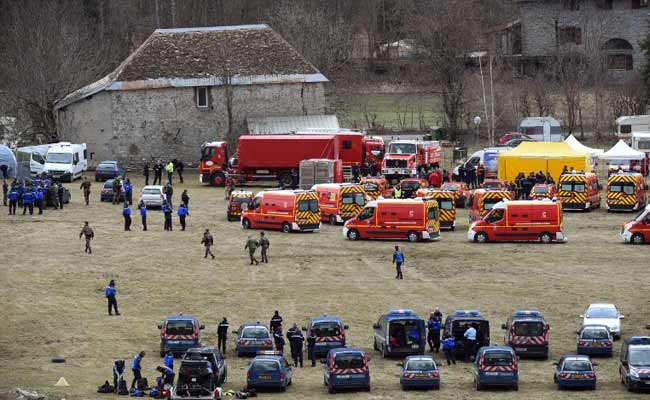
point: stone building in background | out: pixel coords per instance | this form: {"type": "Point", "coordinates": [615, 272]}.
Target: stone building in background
{"type": "Point", "coordinates": [609, 29]}
{"type": "Point", "coordinates": [183, 87]}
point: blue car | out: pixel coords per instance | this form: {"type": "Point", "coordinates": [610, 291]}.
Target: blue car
{"type": "Point", "coordinates": [346, 368]}
{"type": "Point", "coordinates": [496, 366]}
{"type": "Point", "coordinates": [178, 333]}
{"type": "Point", "coordinates": [595, 340]}
{"type": "Point", "coordinates": [526, 331]}
{"type": "Point", "coordinates": [107, 170]}
{"type": "Point", "coordinates": [268, 370]}
{"type": "Point", "coordinates": [399, 333]}
{"type": "Point", "coordinates": [107, 192]}
{"type": "Point", "coordinates": [419, 372]}
{"type": "Point", "coordinates": [330, 333]}
{"type": "Point", "coordinates": [575, 371]}
{"type": "Point", "coordinates": [251, 338]}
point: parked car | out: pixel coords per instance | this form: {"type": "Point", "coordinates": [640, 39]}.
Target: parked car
{"type": "Point", "coordinates": [107, 170]}
{"type": "Point", "coordinates": [595, 340]}
{"type": "Point", "coordinates": [604, 314]}
{"type": "Point", "coordinates": [269, 370]}
{"type": "Point", "coordinates": [107, 192]}
{"type": "Point", "coordinates": [211, 354]}
{"type": "Point", "coordinates": [575, 371]}
{"type": "Point", "coordinates": [508, 136]}
{"type": "Point", "coordinates": [515, 142]}
{"type": "Point", "coordinates": [419, 372]}
{"type": "Point", "coordinates": [152, 196]}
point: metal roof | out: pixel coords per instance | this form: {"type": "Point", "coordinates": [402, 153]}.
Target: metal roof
{"type": "Point", "coordinates": [291, 123]}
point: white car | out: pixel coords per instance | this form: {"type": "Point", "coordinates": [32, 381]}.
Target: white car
{"type": "Point", "coordinates": [604, 314]}
{"type": "Point", "coordinates": [152, 196]}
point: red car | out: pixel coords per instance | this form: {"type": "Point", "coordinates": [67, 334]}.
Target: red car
{"type": "Point", "coordinates": [508, 136]}
{"type": "Point", "coordinates": [460, 189]}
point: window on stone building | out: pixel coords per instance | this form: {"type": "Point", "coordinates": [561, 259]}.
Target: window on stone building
{"type": "Point", "coordinates": [202, 97]}
{"type": "Point", "coordinates": [605, 4]}
{"type": "Point", "coordinates": [570, 34]}
{"type": "Point", "coordinates": [619, 54]}
{"type": "Point", "coordinates": [572, 5]}
{"type": "Point", "coordinates": [639, 3]}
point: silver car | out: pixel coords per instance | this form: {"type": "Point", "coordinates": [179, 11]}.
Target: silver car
{"type": "Point", "coordinates": [152, 195]}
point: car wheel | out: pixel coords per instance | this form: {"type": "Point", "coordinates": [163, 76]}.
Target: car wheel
{"type": "Point", "coordinates": [481, 237]}
{"type": "Point", "coordinates": [285, 180]}
{"type": "Point", "coordinates": [283, 388]}
{"type": "Point", "coordinates": [353, 234]}
{"type": "Point", "coordinates": [374, 345]}
{"type": "Point", "coordinates": [367, 388]}
{"type": "Point", "coordinates": [286, 228]}
{"type": "Point", "coordinates": [383, 352]}
{"type": "Point", "coordinates": [545, 238]}
{"type": "Point", "coordinates": [245, 223]}
{"type": "Point", "coordinates": [331, 389]}
{"type": "Point", "coordinates": [412, 236]}
{"type": "Point", "coordinates": [332, 219]}
{"type": "Point", "coordinates": [515, 387]}
{"type": "Point", "coordinates": [477, 385]}
{"type": "Point", "coordinates": [218, 179]}
{"type": "Point", "coordinates": [637, 238]}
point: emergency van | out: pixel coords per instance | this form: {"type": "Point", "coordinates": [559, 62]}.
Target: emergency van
{"type": "Point", "coordinates": [543, 191]}
{"type": "Point", "coordinates": [458, 322]}
{"type": "Point", "coordinates": [66, 161]}
{"type": "Point", "coordinates": [446, 204]}
{"type": "Point", "coordinates": [526, 332]}
{"type": "Point", "coordinates": [412, 219]}
{"type": "Point", "coordinates": [482, 201]}
{"type": "Point", "coordinates": [637, 231]}
{"type": "Point", "coordinates": [626, 192]}
{"type": "Point", "coordinates": [286, 210]}
{"type": "Point", "coordinates": [329, 331]}
{"type": "Point", "coordinates": [239, 200]}
{"type": "Point", "coordinates": [339, 202]}
{"type": "Point", "coordinates": [496, 366]}
{"type": "Point", "coordinates": [375, 187]}
{"type": "Point", "coordinates": [178, 333]}
{"type": "Point", "coordinates": [346, 368]}
{"type": "Point", "coordinates": [579, 191]}
{"type": "Point", "coordinates": [634, 364]}
{"type": "Point", "coordinates": [399, 333]}
{"type": "Point", "coordinates": [410, 186]}
{"type": "Point", "coordinates": [521, 220]}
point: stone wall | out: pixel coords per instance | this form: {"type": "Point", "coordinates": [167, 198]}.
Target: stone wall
{"type": "Point", "coordinates": [133, 125]}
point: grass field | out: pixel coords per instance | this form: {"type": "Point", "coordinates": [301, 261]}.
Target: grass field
{"type": "Point", "coordinates": [53, 304]}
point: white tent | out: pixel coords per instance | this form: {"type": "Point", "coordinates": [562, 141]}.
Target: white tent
{"type": "Point", "coordinates": [621, 151]}
{"type": "Point", "coordinates": [577, 146]}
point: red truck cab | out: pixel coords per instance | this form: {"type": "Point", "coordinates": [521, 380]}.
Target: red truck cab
{"type": "Point", "coordinates": [404, 158]}
{"type": "Point", "coordinates": [637, 231]}
{"type": "Point", "coordinates": [214, 163]}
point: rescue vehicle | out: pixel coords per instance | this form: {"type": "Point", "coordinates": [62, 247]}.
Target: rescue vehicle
{"type": "Point", "coordinates": [637, 231]}
{"type": "Point", "coordinates": [626, 192]}
{"type": "Point", "coordinates": [178, 333]}
{"type": "Point", "coordinates": [594, 340]}
{"type": "Point", "coordinates": [527, 333]}
{"type": "Point", "coordinates": [375, 187]}
{"type": "Point", "coordinates": [399, 333]}
{"type": "Point", "coordinates": [459, 321]}
{"type": "Point", "coordinates": [346, 368]}
{"type": "Point", "coordinates": [520, 220]}
{"type": "Point", "coordinates": [285, 210]}
{"type": "Point", "coordinates": [575, 371]}
{"type": "Point", "coordinates": [410, 186]}
{"type": "Point", "coordinates": [239, 200]}
{"type": "Point", "coordinates": [543, 191]}
{"type": "Point", "coordinates": [419, 372]}
{"type": "Point", "coordinates": [461, 190]}
{"type": "Point", "coordinates": [339, 202]}
{"type": "Point", "coordinates": [579, 191]}
{"type": "Point", "coordinates": [446, 204]}
{"type": "Point", "coordinates": [411, 219]}
{"type": "Point", "coordinates": [496, 366]}
{"type": "Point", "coordinates": [330, 333]}
{"type": "Point", "coordinates": [269, 370]}
{"type": "Point", "coordinates": [404, 158]}
{"type": "Point", "coordinates": [216, 359]}
{"type": "Point", "coordinates": [482, 200]}
{"type": "Point", "coordinates": [252, 337]}
{"type": "Point", "coordinates": [634, 365]}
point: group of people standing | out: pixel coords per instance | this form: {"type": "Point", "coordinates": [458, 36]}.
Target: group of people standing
{"type": "Point", "coordinates": [473, 176]}
{"type": "Point", "coordinates": [524, 184]}
{"type": "Point", "coordinates": [158, 168]}
{"type": "Point", "coordinates": [33, 193]}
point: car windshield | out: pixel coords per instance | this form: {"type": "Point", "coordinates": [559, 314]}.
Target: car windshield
{"type": "Point", "coordinates": [151, 191]}
{"type": "Point", "coordinates": [346, 361]}
{"type": "Point", "coordinates": [625, 188]}
{"type": "Point", "coordinates": [640, 357]}
{"type": "Point", "coordinates": [432, 213]}
{"type": "Point", "coordinates": [107, 166]}
{"type": "Point", "coordinates": [59, 158]}
{"type": "Point", "coordinates": [180, 328]}
{"type": "Point", "coordinates": [573, 187]}
{"type": "Point", "coordinates": [601, 313]}
{"type": "Point", "coordinates": [255, 333]}
{"type": "Point", "coordinates": [577, 365]}
{"type": "Point", "coordinates": [308, 205]}
{"type": "Point", "coordinates": [497, 359]}
{"type": "Point", "coordinates": [420, 365]}
{"type": "Point", "coordinates": [446, 204]}
{"type": "Point", "coordinates": [327, 329]}
{"type": "Point", "coordinates": [241, 200]}
{"type": "Point", "coordinates": [489, 203]}
{"type": "Point", "coordinates": [108, 184]}
{"type": "Point", "coordinates": [452, 188]}
{"type": "Point", "coordinates": [541, 190]}
{"type": "Point", "coordinates": [265, 366]}
{"type": "Point", "coordinates": [529, 328]}
{"type": "Point", "coordinates": [354, 198]}
{"type": "Point", "coordinates": [402, 148]}
{"type": "Point", "coordinates": [207, 152]}
{"type": "Point", "coordinates": [600, 333]}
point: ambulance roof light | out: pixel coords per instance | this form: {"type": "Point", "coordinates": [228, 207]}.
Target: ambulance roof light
{"type": "Point", "coordinates": [471, 313]}
{"type": "Point", "coordinates": [401, 312]}
{"type": "Point", "coordinates": [527, 313]}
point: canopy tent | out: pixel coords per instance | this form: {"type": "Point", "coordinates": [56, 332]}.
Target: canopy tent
{"type": "Point", "coordinates": [548, 157]}
{"type": "Point", "coordinates": [8, 159]}
{"type": "Point", "coordinates": [621, 151]}
{"type": "Point", "coordinates": [577, 146]}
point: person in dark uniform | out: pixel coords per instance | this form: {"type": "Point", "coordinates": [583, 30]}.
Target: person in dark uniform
{"type": "Point", "coordinates": [136, 368]}
{"type": "Point", "coordinates": [462, 174]}
{"type": "Point", "coordinates": [373, 168]}
{"type": "Point", "coordinates": [182, 213]}
{"type": "Point", "coordinates": [85, 186]}
{"type": "Point", "coordinates": [5, 190]}
{"type": "Point", "coordinates": [434, 324]}
{"type": "Point", "coordinates": [207, 241]}
{"type": "Point", "coordinates": [38, 196]}
{"type": "Point", "coordinates": [13, 201]}
{"type": "Point", "coordinates": [167, 211]}
{"type": "Point", "coordinates": [143, 214]}
{"type": "Point", "coordinates": [128, 191]}
{"type": "Point", "coordinates": [145, 173]}
{"type": "Point", "coordinates": [179, 166]}
{"type": "Point", "coordinates": [251, 245]}
{"type": "Point", "coordinates": [169, 191]}
{"type": "Point", "coordinates": [222, 335]}
{"type": "Point", "coordinates": [295, 342]}
{"type": "Point", "coordinates": [119, 367]}
{"type": "Point", "coordinates": [311, 346]}
{"type": "Point", "coordinates": [157, 173]}
{"type": "Point", "coordinates": [59, 192]}
{"type": "Point", "coordinates": [471, 176]}
{"type": "Point", "coordinates": [355, 173]}
{"type": "Point", "coordinates": [278, 339]}
{"type": "Point", "coordinates": [294, 178]}
{"type": "Point", "coordinates": [264, 244]}
{"type": "Point", "coordinates": [110, 293]}
{"type": "Point", "coordinates": [185, 199]}
{"type": "Point", "coordinates": [126, 213]}
{"type": "Point", "coordinates": [398, 260]}
{"type": "Point", "coordinates": [276, 321]}
{"type": "Point", "coordinates": [28, 202]}
{"type": "Point", "coordinates": [166, 374]}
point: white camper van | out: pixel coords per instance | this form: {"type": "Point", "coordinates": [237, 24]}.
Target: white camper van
{"type": "Point", "coordinates": [541, 129]}
{"type": "Point", "coordinates": [66, 161]}
{"type": "Point", "coordinates": [628, 124]}
{"type": "Point", "coordinates": [641, 141]}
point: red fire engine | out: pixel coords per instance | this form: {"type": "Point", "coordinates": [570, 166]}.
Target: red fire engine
{"type": "Point", "coordinates": [404, 158]}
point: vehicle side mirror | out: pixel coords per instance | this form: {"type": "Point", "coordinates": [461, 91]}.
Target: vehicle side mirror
{"type": "Point", "coordinates": [594, 364]}
{"type": "Point", "coordinates": [235, 332]}
{"type": "Point", "coordinates": [346, 327]}
{"type": "Point", "coordinates": [647, 326]}
{"type": "Point", "coordinates": [201, 327]}
{"type": "Point", "coordinates": [555, 364]}
{"type": "Point", "coordinates": [577, 332]}
{"type": "Point", "coordinates": [304, 328]}
{"type": "Point", "coordinates": [159, 326]}
{"type": "Point", "coordinates": [624, 363]}
{"type": "Point", "coordinates": [621, 316]}
{"type": "Point", "coordinates": [75, 162]}
{"type": "Point", "coordinates": [375, 326]}
{"type": "Point", "coordinates": [42, 162]}
{"type": "Point", "coordinates": [400, 364]}
{"type": "Point", "coordinates": [323, 360]}
{"type": "Point", "coordinates": [503, 326]}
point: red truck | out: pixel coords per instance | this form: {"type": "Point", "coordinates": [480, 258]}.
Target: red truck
{"type": "Point", "coordinates": [272, 157]}
{"type": "Point", "coordinates": [404, 158]}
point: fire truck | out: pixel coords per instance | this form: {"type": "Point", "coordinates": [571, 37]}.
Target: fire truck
{"type": "Point", "coordinates": [272, 157]}
{"type": "Point", "coordinates": [404, 158]}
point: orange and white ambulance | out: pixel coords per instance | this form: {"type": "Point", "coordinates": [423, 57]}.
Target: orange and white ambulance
{"type": "Point", "coordinates": [579, 191]}
{"type": "Point", "coordinates": [482, 200]}
{"type": "Point", "coordinates": [626, 192]}
{"type": "Point", "coordinates": [375, 187]}
{"type": "Point", "coordinates": [637, 231]}
{"type": "Point", "coordinates": [412, 219]}
{"type": "Point", "coordinates": [285, 210]}
{"type": "Point", "coordinates": [339, 202]}
{"type": "Point", "coordinates": [446, 203]}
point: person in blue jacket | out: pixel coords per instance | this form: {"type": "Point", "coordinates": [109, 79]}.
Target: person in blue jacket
{"type": "Point", "coordinates": [448, 347]}
{"type": "Point", "coordinates": [126, 212]}
{"type": "Point", "coordinates": [182, 213]}
{"type": "Point", "coordinates": [143, 214]}
{"type": "Point", "coordinates": [136, 368]}
{"type": "Point", "coordinates": [28, 202]}
{"type": "Point", "coordinates": [128, 191]}
{"type": "Point", "coordinates": [110, 293]}
{"type": "Point", "coordinates": [13, 200]}
{"type": "Point", "coordinates": [433, 333]}
{"type": "Point", "coordinates": [168, 361]}
{"type": "Point", "coordinates": [398, 260]}
{"type": "Point", "coordinates": [167, 210]}
{"type": "Point", "coordinates": [38, 194]}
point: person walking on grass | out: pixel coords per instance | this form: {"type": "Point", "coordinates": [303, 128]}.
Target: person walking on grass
{"type": "Point", "coordinates": [264, 244]}
{"type": "Point", "coordinates": [251, 245]}
{"type": "Point", "coordinates": [85, 186]}
{"type": "Point", "coordinates": [136, 368]}
{"type": "Point", "coordinates": [398, 260]}
{"type": "Point", "coordinates": [110, 293]}
{"type": "Point", "coordinates": [89, 235]}
{"type": "Point", "coordinates": [185, 198]}
{"type": "Point", "coordinates": [143, 214]}
{"type": "Point", "coordinates": [182, 213]}
{"type": "Point", "coordinates": [126, 213]}
{"type": "Point", "coordinates": [207, 241]}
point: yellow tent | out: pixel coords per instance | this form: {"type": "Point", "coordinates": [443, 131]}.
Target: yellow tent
{"type": "Point", "coordinates": [548, 157]}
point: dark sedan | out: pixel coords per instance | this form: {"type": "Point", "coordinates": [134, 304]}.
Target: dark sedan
{"type": "Point", "coordinates": [107, 192]}
{"type": "Point", "coordinates": [107, 170]}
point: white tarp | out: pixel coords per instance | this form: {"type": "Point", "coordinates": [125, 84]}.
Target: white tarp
{"type": "Point", "coordinates": [621, 151]}
{"type": "Point", "coordinates": [8, 160]}
{"type": "Point", "coordinates": [577, 146]}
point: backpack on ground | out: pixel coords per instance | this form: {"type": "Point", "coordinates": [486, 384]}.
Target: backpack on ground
{"type": "Point", "coordinates": [106, 388]}
{"type": "Point", "coordinates": [121, 388]}
{"type": "Point", "coordinates": [143, 384]}
{"type": "Point", "coordinates": [136, 393]}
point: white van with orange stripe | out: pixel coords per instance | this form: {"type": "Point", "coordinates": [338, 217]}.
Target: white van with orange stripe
{"type": "Point", "coordinates": [285, 210]}
{"type": "Point", "coordinates": [339, 201]}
